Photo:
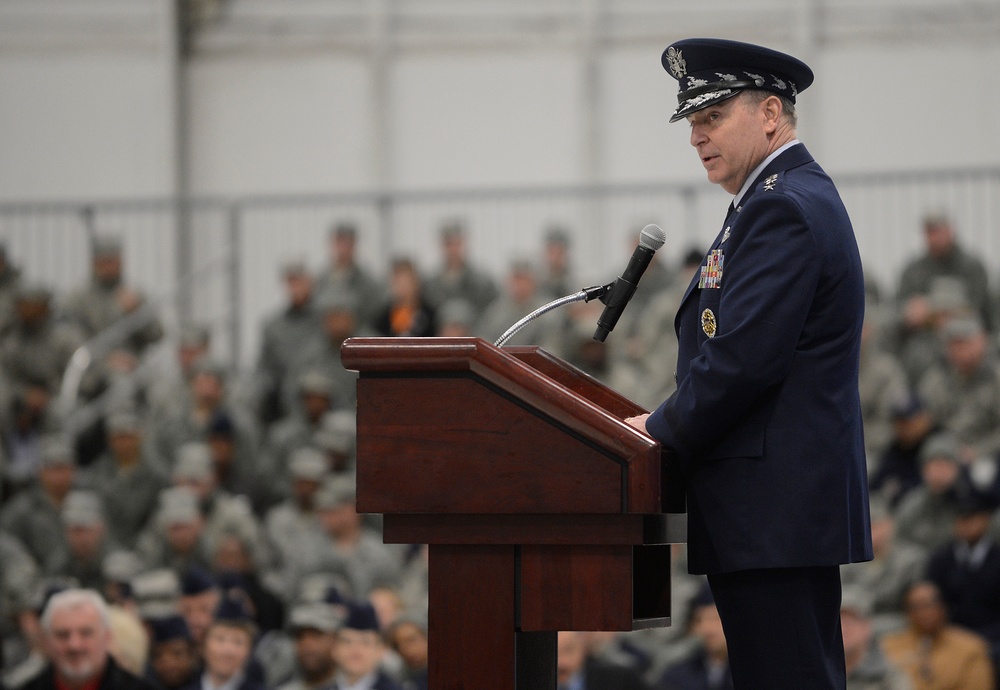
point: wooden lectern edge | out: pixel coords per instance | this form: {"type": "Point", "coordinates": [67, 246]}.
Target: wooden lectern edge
{"type": "Point", "coordinates": [486, 361]}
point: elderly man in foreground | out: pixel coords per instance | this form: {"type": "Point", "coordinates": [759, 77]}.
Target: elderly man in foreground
{"type": "Point", "coordinates": [78, 639]}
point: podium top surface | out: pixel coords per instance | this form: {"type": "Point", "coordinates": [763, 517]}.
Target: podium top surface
{"type": "Point", "coordinates": [457, 425]}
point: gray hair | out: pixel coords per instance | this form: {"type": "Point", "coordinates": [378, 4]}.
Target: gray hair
{"type": "Point", "coordinates": [757, 96]}
{"type": "Point", "coordinates": [72, 599]}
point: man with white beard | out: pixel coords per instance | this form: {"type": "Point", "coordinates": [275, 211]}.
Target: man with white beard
{"type": "Point", "coordinates": [78, 638]}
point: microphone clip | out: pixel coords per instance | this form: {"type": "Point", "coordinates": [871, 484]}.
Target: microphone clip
{"type": "Point", "coordinates": [599, 292]}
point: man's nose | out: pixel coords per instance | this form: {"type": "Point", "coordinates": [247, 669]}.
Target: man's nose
{"type": "Point", "coordinates": [697, 135]}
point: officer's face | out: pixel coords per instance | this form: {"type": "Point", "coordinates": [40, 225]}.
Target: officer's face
{"type": "Point", "coordinates": [731, 138]}
{"type": "Point", "coordinates": [173, 661]}
{"type": "Point", "coordinates": [314, 651]}
{"type": "Point", "coordinates": [925, 609]}
{"type": "Point", "coordinates": [198, 610]}
{"type": "Point", "coordinates": [357, 652]}
{"type": "Point", "coordinates": [411, 644]}
{"type": "Point", "coordinates": [85, 541]}
{"type": "Point", "coordinates": [227, 649]}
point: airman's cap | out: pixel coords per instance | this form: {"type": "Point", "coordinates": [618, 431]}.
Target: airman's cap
{"type": "Point", "coordinates": [940, 446]}
{"type": "Point", "coordinates": [123, 422]}
{"type": "Point", "coordinates": [106, 245]}
{"type": "Point", "coordinates": [973, 503]}
{"type": "Point", "coordinates": [234, 610]}
{"type": "Point", "coordinates": [314, 616]}
{"type": "Point", "coordinates": [337, 301]}
{"type": "Point", "coordinates": [336, 492]}
{"type": "Point", "coordinates": [193, 461]}
{"type": "Point", "coordinates": [307, 464]}
{"type": "Point", "coordinates": [361, 616]}
{"type": "Point", "coordinates": [55, 450]}
{"type": "Point", "coordinates": [315, 382]}
{"type": "Point", "coordinates": [196, 580]}
{"type": "Point", "coordinates": [711, 70]}
{"type": "Point", "coordinates": [294, 267]}
{"type": "Point", "coordinates": [457, 312]}
{"type": "Point", "coordinates": [82, 508]}
{"type": "Point", "coordinates": [338, 432]}
{"type": "Point", "coordinates": [121, 566]}
{"type": "Point", "coordinates": [963, 328]}
{"type": "Point", "coordinates": [178, 505]}
{"type": "Point", "coordinates": [212, 367]}
{"type": "Point", "coordinates": [344, 229]}
{"type": "Point", "coordinates": [194, 335]}
{"type": "Point", "coordinates": [156, 592]}
{"type": "Point", "coordinates": [33, 292]}
{"type": "Point", "coordinates": [172, 627]}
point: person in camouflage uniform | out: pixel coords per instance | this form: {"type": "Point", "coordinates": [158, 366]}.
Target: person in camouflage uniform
{"type": "Point", "coordinates": [126, 468]}
{"type": "Point", "coordinates": [344, 276]}
{"type": "Point", "coordinates": [282, 338]}
{"type": "Point", "coordinates": [88, 543]}
{"type": "Point", "coordinates": [107, 299]}
{"type": "Point", "coordinates": [322, 353]}
{"type": "Point", "coordinates": [944, 257]}
{"type": "Point", "coordinates": [881, 383]}
{"type": "Point", "coordinates": [38, 348]}
{"type": "Point", "coordinates": [457, 277]}
{"type": "Point", "coordinates": [34, 516]}
{"type": "Point", "coordinates": [963, 394]}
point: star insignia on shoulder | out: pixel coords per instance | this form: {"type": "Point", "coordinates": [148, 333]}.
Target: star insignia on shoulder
{"type": "Point", "coordinates": [770, 182]}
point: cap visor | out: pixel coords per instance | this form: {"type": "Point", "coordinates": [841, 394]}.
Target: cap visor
{"type": "Point", "coordinates": [702, 101]}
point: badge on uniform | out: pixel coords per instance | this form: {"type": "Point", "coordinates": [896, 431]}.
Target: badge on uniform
{"type": "Point", "coordinates": [770, 182]}
{"type": "Point", "coordinates": [708, 323]}
{"type": "Point", "coordinates": [725, 235]}
{"type": "Point", "coordinates": [711, 272]}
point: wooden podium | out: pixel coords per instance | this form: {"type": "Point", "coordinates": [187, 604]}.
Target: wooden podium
{"type": "Point", "coordinates": [542, 509]}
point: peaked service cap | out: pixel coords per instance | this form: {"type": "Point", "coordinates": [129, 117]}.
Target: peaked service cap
{"type": "Point", "coordinates": [712, 70]}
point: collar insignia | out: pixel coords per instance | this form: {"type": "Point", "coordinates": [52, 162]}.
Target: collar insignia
{"type": "Point", "coordinates": [770, 182]}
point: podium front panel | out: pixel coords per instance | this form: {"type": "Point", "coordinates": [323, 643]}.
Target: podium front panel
{"type": "Point", "coordinates": [455, 444]}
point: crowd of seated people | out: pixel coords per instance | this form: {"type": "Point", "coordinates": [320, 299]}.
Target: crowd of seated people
{"type": "Point", "coordinates": [205, 517]}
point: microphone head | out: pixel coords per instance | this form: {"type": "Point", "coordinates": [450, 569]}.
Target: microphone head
{"type": "Point", "coordinates": [652, 237]}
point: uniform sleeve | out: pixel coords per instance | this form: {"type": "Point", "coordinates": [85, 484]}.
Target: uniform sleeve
{"type": "Point", "coordinates": [767, 289]}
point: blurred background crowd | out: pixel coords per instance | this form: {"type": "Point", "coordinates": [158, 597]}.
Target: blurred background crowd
{"type": "Point", "coordinates": [195, 496]}
{"type": "Point", "coordinates": [200, 200]}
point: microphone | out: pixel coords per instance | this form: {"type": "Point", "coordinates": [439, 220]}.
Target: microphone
{"type": "Point", "coordinates": [651, 238]}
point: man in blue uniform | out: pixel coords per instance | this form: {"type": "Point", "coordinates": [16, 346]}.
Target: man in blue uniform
{"type": "Point", "coordinates": [766, 418]}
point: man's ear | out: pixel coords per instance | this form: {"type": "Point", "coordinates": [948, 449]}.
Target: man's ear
{"type": "Point", "coordinates": [771, 109]}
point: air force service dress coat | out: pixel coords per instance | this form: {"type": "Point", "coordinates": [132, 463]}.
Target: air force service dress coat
{"type": "Point", "coordinates": [766, 418]}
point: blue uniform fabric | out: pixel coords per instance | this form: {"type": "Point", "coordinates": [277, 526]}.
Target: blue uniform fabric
{"type": "Point", "coordinates": [766, 418]}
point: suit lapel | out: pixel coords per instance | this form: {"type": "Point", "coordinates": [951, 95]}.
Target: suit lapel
{"type": "Point", "coordinates": [792, 158]}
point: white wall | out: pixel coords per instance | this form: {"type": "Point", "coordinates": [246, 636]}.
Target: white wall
{"type": "Point", "coordinates": [87, 126]}
{"type": "Point", "coordinates": [97, 121]}
{"type": "Point", "coordinates": [908, 107]}
{"type": "Point", "coordinates": [279, 125]}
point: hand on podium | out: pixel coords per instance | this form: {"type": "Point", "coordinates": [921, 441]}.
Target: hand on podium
{"type": "Point", "coordinates": [638, 422]}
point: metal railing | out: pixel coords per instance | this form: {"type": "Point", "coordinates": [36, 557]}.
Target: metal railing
{"type": "Point", "coordinates": [224, 271]}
